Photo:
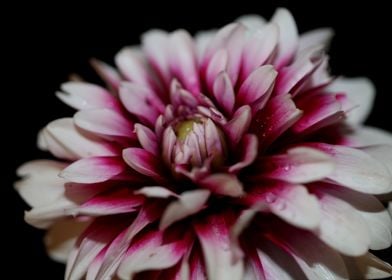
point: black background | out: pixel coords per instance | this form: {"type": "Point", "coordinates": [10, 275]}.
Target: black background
{"type": "Point", "coordinates": [44, 44]}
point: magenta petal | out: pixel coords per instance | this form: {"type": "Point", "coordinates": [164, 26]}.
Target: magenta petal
{"type": "Point", "coordinates": [239, 124]}
{"type": "Point", "coordinates": [224, 184]}
{"type": "Point", "coordinates": [84, 96]}
{"type": "Point", "coordinates": [257, 88]}
{"type": "Point", "coordinates": [143, 162]}
{"type": "Point", "coordinates": [116, 202]}
{"type": "Point", "coordinates": [90, 244]}
{"type": "Point", "coordinates": [299, 165]}
{"type": "Point", "coordinates": [278, 115]}
{"type": "Point", "coordinates": [93, 170]}
{"type": "Point", "coordinates": [117, 249]}
{"type": "Point", "coordinates": [249, 150]}
{"type": "Point", "coordinates": [105, 122]}
{"type": "Point", "coordinates": [213, 234]}
{"type": "Point", "coordinates": [224, 92]}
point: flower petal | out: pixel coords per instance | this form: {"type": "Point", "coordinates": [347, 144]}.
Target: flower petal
{"type": "Point", "coordinates": [85, 96]}
{"type": "Point", "coordinates": [239, 124]}
{"type": "Point", "coordinates": [107, 73]}
{"type": "Point", "coordinates": [256, 89]}
{"type": "Point", "coordinates": [93, 170]}
{"type": "Point", "coordinates": [224, 92]}
{"type": "Point", "coordinates": [298, 165]}
{"type": "Point", "coordinates": [368, 266]}
{"type": "Point", "coordinates": [61, 238]}
{"type": "Point", "coordinates": [188, 203]}
{"type": "Point", "coordinates": [288, 37]}
{"type": "Point", "coordinates": [338, 222]}
{"type": "Point", "coordinates": [156, 192]}
{"type": "Point", "coordinates": [143, 162]}
{"type": "Point", "coordinates": [105, 122]}
{"type": "Point", "coordinates": [224, 184]}
{"type": "Point", "coordinates": [361, 91]}
{"type": "Point", "coordinates": [357, 170]}
{"type": "Point", "coordinates": [249, 150]}
{"type": "Point", "coordinates": [40, 184]}
{"type": "Point", "coordinates": [213, 234]}
{"type": "Point", "coordinates": [147, 138]}
{"type": "Point", "coordinates": [316, 37]}
{"type": "Point", "coordinates": [367, 136]}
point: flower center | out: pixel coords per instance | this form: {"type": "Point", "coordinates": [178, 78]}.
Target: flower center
{"type": "Point", "coordinates": [198, 143]}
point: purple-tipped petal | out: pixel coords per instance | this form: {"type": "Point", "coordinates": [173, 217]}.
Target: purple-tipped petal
{"type": "Point", "coordinates": [93, 170]}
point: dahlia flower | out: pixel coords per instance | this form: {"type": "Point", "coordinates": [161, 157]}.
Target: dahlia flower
{"type": "Point", "coordinates": [233, 154]}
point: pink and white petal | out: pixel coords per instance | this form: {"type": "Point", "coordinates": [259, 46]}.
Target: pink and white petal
{"type": "Point", "coordinates": [66, 135]}
{"type": "Point", "coordinates": [147, 138]}
{"type": "Point", "coordinates": [367, 136]}
{"type": "Point", "coordinates": [305, 249]}
{"type": "Point", "coordinates": [95, 265]}
{"type": "Point", "coordinates": [338, 221]}
{"type": "Point", "coordinates": [382, 153]}
{"type": "Point", "coordinates": [221, 183]}
{"type": "Point", "coordinates": [117, 249]}
{"type": "Point", "coordinates": [217, 65]}
{"type": "Point", "coordinates": [118, 201]}
{"type": "Point", "coordinates": [155, 44]}
{"type": "Point", "coordinates": [188, 203]}
{"type": "Point", "coordinates": [150, 254]}
{"type": "Point", "coordinates": [362, 93]}
{"type": "Point", "coordinates": [61, 238]}
{"type": "Point", "coordinates": [249, 150]}
{"type": "Point", "coordinates": [373, 212]}
{"type": "Point", "coordinates": [239, 124]}
{"type": "Point", "coordinates": [156, 192]}
{"type": "Point", "coordinates": [298, 165]}
{"type": "Point", "coordinates": [40, 184]}
{"type": "Point", "coordinates": [279, 114]}
{"type": "Point", "coordinates": [93, 170]}
{"type": "Point", "coordinates": [223, 92]}
{"type": "Point", "coordinates": [133, 65]}
{"type": "Point", "coordinates": [202, 40]}
{"type": "Point", "coordinates": [108, 74]}
{"type": "Point", "coordinates": [95, 238]}
{"type": "Point", "coordinates": [259, 49]}
{"type": "Point", "coordinates": [143, 162]}
{"type": "Point", "coordinates": [367, 266]}
{"type": "Point", "coordinates": [47, 142]}
{"type": "Point", "coordinates": [319, 110]}
{"type": "Point", "coordinates": [141, 101]}
{"type": "Point", "coordinates": [292, 203]}
{"type": "Point", "coordinates": [257, 88]}
{"type": "Point", "coordinates": [357, 170]}
{"type": "Point", "coordinates": [288, 37]}
{"type": "Point", "coordinates": [291, 78]}
{"type": "Point", "coordinates": [85, 96]}
{"type": "Point", "coordinates": [105, 122]}
{"type": "Point", "coordinates": [182, 60]}
{"type": "Point", "coordinates": [213, 234]}
{"type": "Point", "coordinates": [316, 37]}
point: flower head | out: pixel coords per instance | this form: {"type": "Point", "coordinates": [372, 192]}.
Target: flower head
{"type": "Point", "coordinates": [230, 155]}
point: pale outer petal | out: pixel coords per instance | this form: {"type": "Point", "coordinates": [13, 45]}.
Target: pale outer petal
{"type": "Point", "coordinates": [41, 184]}
{"type": "Point", "coordinates": [361, 92]}
{"type": "Point", "coordinates": [61, 237]}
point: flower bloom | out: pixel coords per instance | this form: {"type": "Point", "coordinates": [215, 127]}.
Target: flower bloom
{"type": "Point", "coordinates": [230, 155]}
